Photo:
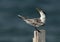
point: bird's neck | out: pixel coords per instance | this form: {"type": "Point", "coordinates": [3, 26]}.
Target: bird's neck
{"type": "Point", "coordinates": [42, 14]}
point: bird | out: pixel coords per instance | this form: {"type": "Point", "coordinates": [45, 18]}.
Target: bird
{"type": "Point", "coordinates": [36, 22]}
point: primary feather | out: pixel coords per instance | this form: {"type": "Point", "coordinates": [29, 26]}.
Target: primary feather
{"type": "Point", "coordinates": [36, 22]}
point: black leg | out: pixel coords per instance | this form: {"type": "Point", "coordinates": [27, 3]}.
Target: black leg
{"type": "Point", "coordinates": [37, 29]}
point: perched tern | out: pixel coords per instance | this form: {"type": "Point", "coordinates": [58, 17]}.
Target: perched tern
{"type": "Point", "coordinates": [36, 22]}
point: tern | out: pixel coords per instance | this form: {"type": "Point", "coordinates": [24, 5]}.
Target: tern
{"type": "Point", "coordinates": [36, 22]}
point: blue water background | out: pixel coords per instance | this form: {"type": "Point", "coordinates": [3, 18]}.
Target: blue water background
{"type": "Point", "coordinates": [12, 29]}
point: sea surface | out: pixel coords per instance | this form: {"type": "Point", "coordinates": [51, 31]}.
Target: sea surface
{"type": "Point", "coordinates": [13, 29]}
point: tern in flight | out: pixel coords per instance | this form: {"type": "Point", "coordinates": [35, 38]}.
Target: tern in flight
{"type": "Point", "coordinates": [36, 22]}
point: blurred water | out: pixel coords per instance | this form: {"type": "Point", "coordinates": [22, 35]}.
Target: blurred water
{"type": "Point", "coordinates": [13, 29]}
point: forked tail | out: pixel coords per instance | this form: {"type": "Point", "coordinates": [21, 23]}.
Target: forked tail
{"type": "Point", "coordinates": [21, 17]}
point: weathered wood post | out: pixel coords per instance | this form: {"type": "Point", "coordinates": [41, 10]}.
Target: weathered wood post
{"type": "Point", "coordinates": [39, 37]}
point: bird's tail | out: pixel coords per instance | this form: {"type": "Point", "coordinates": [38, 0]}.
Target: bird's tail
{"type": "Point", "coordinates": [37, 29]}
{"type": "Point", "coordinates": [21, 17]}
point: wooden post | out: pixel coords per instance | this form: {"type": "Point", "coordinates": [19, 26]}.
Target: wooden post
{"type": "Point", "coordinates": [39, 37]}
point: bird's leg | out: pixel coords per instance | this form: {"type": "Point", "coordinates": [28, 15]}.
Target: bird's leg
{"type": "Point", "coordinates": [37, 29]}
{"type": "Point", "coordinates": [43, 26]}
